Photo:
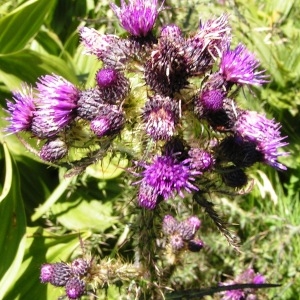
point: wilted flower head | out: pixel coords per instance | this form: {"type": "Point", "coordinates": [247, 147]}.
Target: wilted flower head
{"type": "Point", "coordinates": [160, 116]}
{"type": "Point", "coordinates": [167, 69]}
{"type": "Point", "coordinates": [22, 111]}
{"type": "Point", "coordinates": [207, 44]}
{"type": "Point", "coordinates": [255, 127]}
{"type": "Point", "coordinates": [56, 105]}
{"type": "Point", "coordinates": [137, 17]}
{"type": "Point", "coordinates": [240, 66]}
{"type": "Point", "coordinates": [109, 48]}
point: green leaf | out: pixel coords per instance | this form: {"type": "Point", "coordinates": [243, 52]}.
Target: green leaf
{"type": "Point", "coordinates": [21, 65]}
{"type": "Point", "coordinates": [42, 247]}
{"type": "Point", "coordinates": [21, 25]}
{"type": "Point", "coordinates": [13, 225]}
{"type": "Point", "coordinates": [58, 193]}
{"type": "Point", "coordinates": [80, 212]}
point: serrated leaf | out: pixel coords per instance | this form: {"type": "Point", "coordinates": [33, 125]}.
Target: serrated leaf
{"type": "Point", "coordinates": [20, 25]}
{"type": "Point", "coordinates": [13, 225]}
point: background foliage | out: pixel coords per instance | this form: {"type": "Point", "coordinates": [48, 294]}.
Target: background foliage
{"type": "Point", "coordinates": [42, 213]}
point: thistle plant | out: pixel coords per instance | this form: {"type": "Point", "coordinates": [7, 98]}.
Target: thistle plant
{"type": "Point", "coordinates": [156, 90]}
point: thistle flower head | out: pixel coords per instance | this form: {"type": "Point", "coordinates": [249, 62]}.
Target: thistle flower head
{"type": "Point", "coordinates": [256, 128]}
{"type": "Point", "coordinates": [187, 228]}
{"type": "Point", "coordinates": [75, 288]}
{"type": "Point", "coordinates": [46, 273]}
{"type": "Point", "coordinates": [160, 116]}
{"type": "Point", "coordinates": [207, 44]}
{"type": "Point", "coordinates": [170, 225]}
{"type": "Point", "coordinates": [109, 121]}
{"type": "Point", "coordinates": [109, 48]}
{"type": "Point", "coordinates": [201, 160]}
{"type": "Point", "coordinates": [89, 104]}
{"type": "Point", "coordinates": [146, 197]}
{"type": "Point", "coordinates": [167, 70]}
{"type": "Point", "coordinates": [137, 17]}
{"type": "Point", "coordinates": [113, 86]}
{"type": "Point", "coordinates": [176, 242]}
{"type": "Point", "coordinates": [53, 150]}
{"type": "Point", "coordinates": [56, 105]}
{"type": "Point", "coordinates": [62, 272]}
{"type": "Point", "coordinates": [171, 32]}
{"type": "Point", "coordinates": [167, 176]}
{"type": "Point", "coordinates": [212, 100]}
{"type": "Point", "coordinates": [79, 266]}
{"type": "Point", "coordinates": [21, 111]}
{"type": "Point", "coordinates": [248, 276]}
{"type": "Point", "coordinates": [240, 66]}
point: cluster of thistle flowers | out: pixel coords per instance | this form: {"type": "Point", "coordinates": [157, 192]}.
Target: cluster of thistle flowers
{"type": "Point", "coordinates": [181, 235]}
{"type": "Point", "coordinates": [249, 276]}
{"type": "Point", "coordinates": [64, 117]}
{"type": "Point", "coordinates": [66, 275]}
{"type": "Point", "coordinates": [83, 275]}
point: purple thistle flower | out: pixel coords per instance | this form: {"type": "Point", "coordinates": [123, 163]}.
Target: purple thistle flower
{"type": "Point", "coordinates": [61, 274]}
{"type": "Point", "coordinates": [46, 273]}
{"type": "Point", "coordinates": [176, 242]}
{"type": "Point", "coordinates": [89, 104]}
{"type": "Point", "coordinates": [207, 44]}
{"type": "Point", "coordinates": [248, 276]}
{"type": "Point", "coordinates": [137, 17]}
{"type": "Point", "coordinates": [258, 279]}
{"type": "Point", "coordinates": [201, 160]}
{"type": "Point", "coordinates": [146, 197]}
{"type": "Point", "coordinates": [167, 176]}
{"type": "Point", "coordinates": [113, 85]}
{"type": "Point", "coordinates": [56, 105]}
{"type": "Point", "coordinates": [160, 116]}
{"type": "Point", "coordinates": [187, 228]}
{"type": "Point", "coordinates": [255, 127]}
{"type": "Point", "coordinates": [109, 121]}
{"type": "Point", "coordinates": [171, 32]}
{"type": "Point", "coordinates": [22, 111]}
{"type": "Point", "coordinates": [212, 100]}
{"type": "Point", "coordinates": [240, 66]}
{"type": "Point", "coordinates": [75, 288]}
{"type": "Point", "coordinates": [167, 69]}
{"type": "Point", "coordinates": [53, 150]}
{"type": "Point", "coordinates": [109, 48]}
{"type": "Point", "coordinates": [80, 266]}
{"type": "Point", "coordinates": [170, 225]}
{"type": "Point", "coordinates": [234, 295]}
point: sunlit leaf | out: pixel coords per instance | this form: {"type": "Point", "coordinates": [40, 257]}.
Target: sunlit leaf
{"type": "Point", "coordinates": [13, 225]}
